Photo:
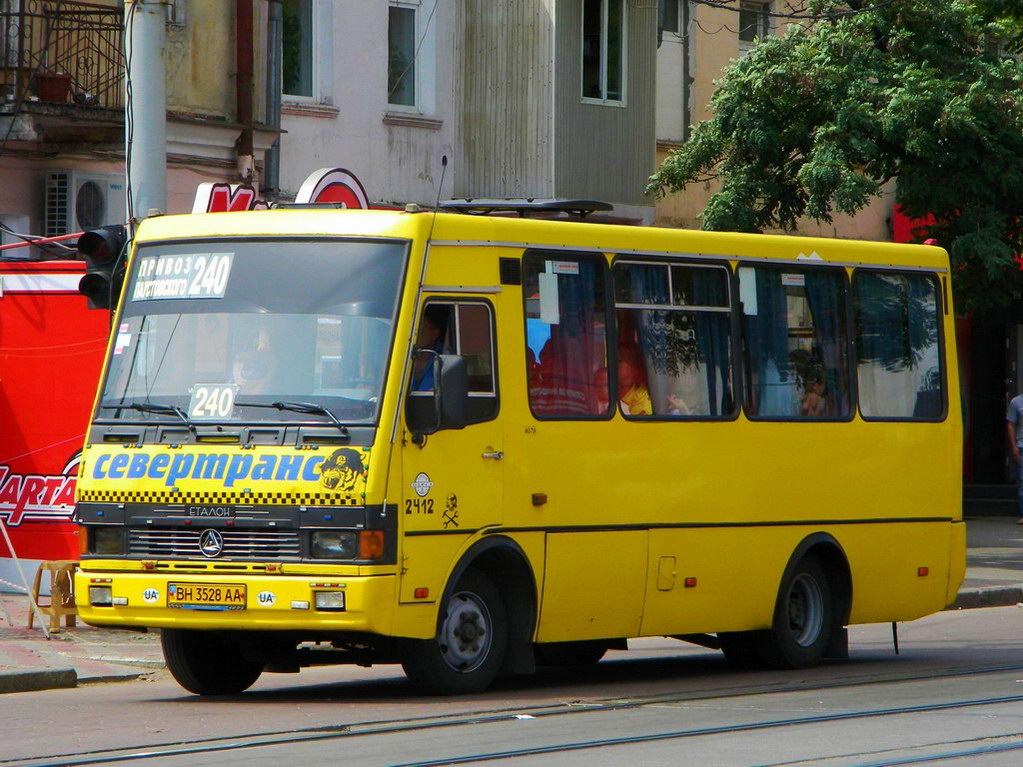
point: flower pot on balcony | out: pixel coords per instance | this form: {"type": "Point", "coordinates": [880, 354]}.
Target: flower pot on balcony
{"type": "Point", "coordinates": [53, 87]}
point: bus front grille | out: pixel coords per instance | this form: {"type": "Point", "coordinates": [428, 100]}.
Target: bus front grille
{"type": "Point", "coordinates": [236, 544]}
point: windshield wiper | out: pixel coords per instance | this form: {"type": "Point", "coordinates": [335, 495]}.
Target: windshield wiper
{"type": "Point", "coordinates": [153, 407]}
{"type": "Point", "coordinates": [310, 408]}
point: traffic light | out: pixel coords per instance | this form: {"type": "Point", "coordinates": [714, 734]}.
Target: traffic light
{"type": "Point", "coordinates": [101, 249]}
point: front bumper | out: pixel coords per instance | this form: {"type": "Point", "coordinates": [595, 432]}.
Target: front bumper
{"type": "Point", "coordinates": [370, 602]}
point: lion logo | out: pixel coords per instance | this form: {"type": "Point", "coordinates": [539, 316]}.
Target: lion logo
{"type": "Point", "coordinates": [343, 470]}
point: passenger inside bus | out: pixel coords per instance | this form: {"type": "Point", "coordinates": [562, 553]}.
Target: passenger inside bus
{"type": "Point", "coordinates": [432, 331]}
{"type": "Point", "coordinates": [633, 386]}
{"type": "Point", "coordinates": [254, 366]}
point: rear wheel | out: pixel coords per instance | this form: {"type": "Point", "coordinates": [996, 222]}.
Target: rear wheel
{"type": "Point", "coordinates": [803, 619]}
{"type": "Point", "coordinates": [472, 635]}
{"type": "Point", "coordinates": [208, 662]}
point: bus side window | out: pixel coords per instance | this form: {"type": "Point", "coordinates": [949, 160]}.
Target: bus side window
{"type": "Point", "coordinates": [794, 323]}
{"type": "Point", "coordinates": [465, 329]}
{"type": "Point", "coordinates": [899, 366]}
{"type": "Point", "coordinates": [435, 329]}
{"type": "Point", "coordinates": [674, 340]}
{"type": "Point", "coordinates": [566, 335]}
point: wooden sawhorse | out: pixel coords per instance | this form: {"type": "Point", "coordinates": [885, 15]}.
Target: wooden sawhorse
{"type": "Point", "coordinates": [62, 595]}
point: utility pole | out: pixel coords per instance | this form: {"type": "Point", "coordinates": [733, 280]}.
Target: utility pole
{"type": "Point", "coordinates": [145, 111]}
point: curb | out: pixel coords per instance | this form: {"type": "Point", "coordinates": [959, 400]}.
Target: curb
{"type": "Point", "coordinates": [30, 681]}
{"type": "Point", "coordinates": [991, 596]}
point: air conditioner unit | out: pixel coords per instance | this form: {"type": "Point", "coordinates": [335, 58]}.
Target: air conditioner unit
{"type": "Point", "coordinates": [79, 200]}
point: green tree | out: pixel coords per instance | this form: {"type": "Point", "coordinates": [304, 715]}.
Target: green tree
{"type": "Point", "coordinates": [913, 91]}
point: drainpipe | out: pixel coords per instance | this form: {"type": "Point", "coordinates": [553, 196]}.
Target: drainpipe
{"type": "Point", "coordinates": [243, 86]}
{"type": "Point", "coordinates": [687, 65]}
{"type": "Point", "coordinates": [145, 106]}
{"type": "Point", "coordinates": [274, 77]}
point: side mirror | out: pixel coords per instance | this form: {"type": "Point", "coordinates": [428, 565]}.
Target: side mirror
{"type": "Point", "coordinates": [444, 407]}
{"type": "Point", "coordinates": [453, 392]}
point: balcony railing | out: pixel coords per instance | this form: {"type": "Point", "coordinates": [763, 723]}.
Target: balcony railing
{"type": "Point", "coordinates": [61, 52]}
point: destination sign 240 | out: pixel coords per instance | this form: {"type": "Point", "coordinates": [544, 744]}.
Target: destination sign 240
{"type": "Point", "coordinates": [192, 275]}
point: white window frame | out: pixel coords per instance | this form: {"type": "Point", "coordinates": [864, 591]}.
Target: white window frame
{"type": "Point", "coordinates": [424, 57]}
{"type": "Point", "coordinates": [603, 56]}
{"type": "Point", "coordinates": [322, 58]}
{"type": "Point", "coordinates": [765, 25]}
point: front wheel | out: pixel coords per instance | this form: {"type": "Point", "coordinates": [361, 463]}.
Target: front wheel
{"type": "Point", "coordinates": [803, 619]}
{"type": "Point", "coordinates": [207, 662]}
{"type": "Point", "coordinates": [468, 651]}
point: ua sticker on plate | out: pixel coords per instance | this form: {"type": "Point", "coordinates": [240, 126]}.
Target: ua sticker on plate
{"type": "Point", "coordinates": [267, 598]}
{"type": "Point", "coordinates": [151, 595]}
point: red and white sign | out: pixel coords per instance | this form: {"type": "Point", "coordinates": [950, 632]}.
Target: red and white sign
{"type": "Point", "coordinates": [51, 353]}
{"type": "Point", "coordinates": [221, 197]}
{"type": "Point", "coordinates": [38, 497]}
{"type": "Point", "coordinates": [333, 185]}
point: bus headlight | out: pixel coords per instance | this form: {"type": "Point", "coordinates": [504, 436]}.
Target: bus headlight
{"type": "Point", "coordinates": [106, 540]}
{"type": "Point", "coordinates": [335, 544]}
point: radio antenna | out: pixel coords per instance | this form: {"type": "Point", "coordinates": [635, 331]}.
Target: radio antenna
{"type": "Point", "coordinates": [440, 186]}
{"type": "Point", "coordinates": [436, 205]}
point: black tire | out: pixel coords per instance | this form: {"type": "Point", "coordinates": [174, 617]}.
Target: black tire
{"type": "Point", "coordinates": [803, 619]}
{"type": "Point", "coordinates": [587, 653]}
{"type": "Point", "coordinates": [468, 651]}
{"type": "Point", "coordinates": [207, 662]}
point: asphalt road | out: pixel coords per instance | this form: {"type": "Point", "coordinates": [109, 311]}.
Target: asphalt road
{"type": "Point", "coordinates": [956, 688]}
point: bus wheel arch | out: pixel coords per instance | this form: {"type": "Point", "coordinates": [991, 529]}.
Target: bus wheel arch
{"type": "Point", "coordinates": [812, 608]}
{"type": "Point", "coordinates": [484, 624]}
{"type": "Point", "coordinates": [506, 564]}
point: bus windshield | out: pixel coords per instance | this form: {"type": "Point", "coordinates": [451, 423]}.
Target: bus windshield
{"type": "Point", "coordinates": [225, 330]}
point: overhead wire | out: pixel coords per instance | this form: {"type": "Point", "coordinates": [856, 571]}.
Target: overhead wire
{"type": "Point", "coordinates": [726, 5]}
{"type": "Point", "coordinates": [59, 249]}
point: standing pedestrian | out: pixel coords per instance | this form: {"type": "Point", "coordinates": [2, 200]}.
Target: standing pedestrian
{"type": "Point", "coordinates": [1014, 433]}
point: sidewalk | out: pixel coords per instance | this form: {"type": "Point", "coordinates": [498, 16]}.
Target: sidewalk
{"type": "Point", "coordinates": [84, 655]}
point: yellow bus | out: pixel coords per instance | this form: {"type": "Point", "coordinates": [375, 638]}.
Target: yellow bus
{"type": "Point", "coordinates": [473, 444]}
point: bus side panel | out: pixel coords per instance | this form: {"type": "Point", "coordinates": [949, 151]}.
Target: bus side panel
{"type": "Point", "coordinates": [425, 564]}
{"type": "Point", "coordinates": [593, 585]}
{"type": "Point", "coordinates": [737, 572]}
{"type": "Point", "coordinates": [885, 561]}
{"type": "Point", "coordinates": [957, 562]}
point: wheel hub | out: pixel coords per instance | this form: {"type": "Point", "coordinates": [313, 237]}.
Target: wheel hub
{"type": "Point", "coordinates": [805, 610]}
{"type": "Point", "coordinates": [465, 635]}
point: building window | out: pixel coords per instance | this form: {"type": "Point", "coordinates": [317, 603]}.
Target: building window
{"type": "Point", "coordinates": [754, 23]}
{"type": "Point", "coordinates": [603, 49]}
{"type": "Point", "coordinates": [298, 57]}
{"type": "Point", "coordinates": [667, 16]}
{"type": "Point", "coordinates": [401, 55]}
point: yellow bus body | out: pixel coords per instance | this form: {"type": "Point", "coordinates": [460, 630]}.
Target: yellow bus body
{"type": "Point", "coordinates": [626, 528]}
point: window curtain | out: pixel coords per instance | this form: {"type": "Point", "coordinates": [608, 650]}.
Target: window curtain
{"type": "Point", "coordinates": [774, 387]}
{"type": "Point", "coordinates": [713, 338]}
{"type": "Point", "coordinates": [824, 295]}
{"type": "Point", "coordinates": [649, 285]}
{"type": "Point", "coordinates": [572, 367]}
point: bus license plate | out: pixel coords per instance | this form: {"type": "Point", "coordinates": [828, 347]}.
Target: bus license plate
{"type": "Point", "coordinates": [206, 596]}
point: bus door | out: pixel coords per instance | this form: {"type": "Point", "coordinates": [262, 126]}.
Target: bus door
{"type": "Point", "coordinates": [451, 479]}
